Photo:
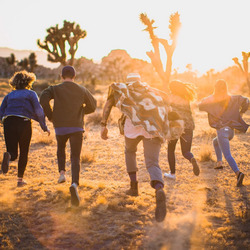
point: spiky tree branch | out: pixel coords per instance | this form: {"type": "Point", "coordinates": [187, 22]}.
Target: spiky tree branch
{"type": "Point", "coordinates": [55, 42]}
{"type": "Point", "coordinates": [174, 26]}
{"type": "Point", "coordinates": [244, 66]}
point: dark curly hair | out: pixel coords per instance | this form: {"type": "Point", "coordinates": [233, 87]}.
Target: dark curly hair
{"type": "Point", "coordinates": [22, 80]}
{"type": "Point", "coordinates": [182, 89]}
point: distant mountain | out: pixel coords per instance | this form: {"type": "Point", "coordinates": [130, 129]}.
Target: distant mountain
{"type": "Point", "coordinates": [20, 54]}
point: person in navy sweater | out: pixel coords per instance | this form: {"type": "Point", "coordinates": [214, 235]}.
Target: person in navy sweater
{"type": "Point", "coordinates": [17, 110]}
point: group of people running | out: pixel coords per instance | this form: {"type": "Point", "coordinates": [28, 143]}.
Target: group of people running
{"type": "Point", "coordinates": [148, 115]}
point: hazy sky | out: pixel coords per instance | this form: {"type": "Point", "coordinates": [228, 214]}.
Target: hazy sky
{"type": "Point", "coordinates": [212, 33]}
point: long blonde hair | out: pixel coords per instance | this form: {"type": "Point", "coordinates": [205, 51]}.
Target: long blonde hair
{"type": "Point", "coordinates": [182, 89]}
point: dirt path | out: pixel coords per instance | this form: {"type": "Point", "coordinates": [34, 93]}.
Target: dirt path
{"type": "Point", "coordinates": [205, 212]}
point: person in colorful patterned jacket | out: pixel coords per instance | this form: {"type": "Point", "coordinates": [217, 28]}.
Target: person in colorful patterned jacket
{"type": "Point", "coordinates": [145, 113]}
{"type": "Point", "coordinates": [181, 96]}
{"type": "Point", "coordinates": [225, 115]}
{"type": "Point", "coordinates": [17, 110]}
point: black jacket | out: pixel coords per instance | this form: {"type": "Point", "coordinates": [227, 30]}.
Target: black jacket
{"type": "Point", "coordinates": [71, 102]}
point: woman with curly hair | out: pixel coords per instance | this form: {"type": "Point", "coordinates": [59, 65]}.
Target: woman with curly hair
{"type": "Point", "coordinates": [17, 110]}
{"type": "Point", "coordinates": [181, 96]}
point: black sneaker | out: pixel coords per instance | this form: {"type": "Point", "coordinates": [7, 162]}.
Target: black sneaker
{"type": "Point", "coordinates": [21, 183]}
{"type": "Point", "coordinates": [5, 162]}
{"type": "Point", "coordinates": [75, 200]}
{"type": "Point", "coordinates": [196, 169]}
{"type": "Point", "coordinates": [160, 210]}
{"type": "Point", "coordinates": [240, 179]}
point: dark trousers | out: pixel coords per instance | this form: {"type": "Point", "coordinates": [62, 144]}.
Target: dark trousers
{"type": "Point", "coordinates": [18, 132]}
{"type": "Point", "coordinates": [186, 143]}
{"type": "Point", "coordinates": [75, 140]}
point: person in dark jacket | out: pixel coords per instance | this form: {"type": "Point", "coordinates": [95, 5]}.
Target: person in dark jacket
{"type": "Point", "coordinates": [225, 114]}
{"type": "Point", "coordinates": [71, 103]}
{"type": "Point", "coordinates": [17, 110]}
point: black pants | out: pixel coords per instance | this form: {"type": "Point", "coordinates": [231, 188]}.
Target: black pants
{"type": "Point", "coordinates": [75, 140]}
{"type": "Point", "coordinates": [186, 143]}
{"type": "Point", "coordinates": [18, 132]}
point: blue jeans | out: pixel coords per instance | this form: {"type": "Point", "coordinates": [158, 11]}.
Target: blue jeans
{"type": "Point", "coordinates": [222, 146]}
{"type": "Point", "coordinates": [151, 154]}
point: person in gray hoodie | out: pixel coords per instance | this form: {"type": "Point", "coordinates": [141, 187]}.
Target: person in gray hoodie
{"type": "Point", "coordinates": [225, 114]}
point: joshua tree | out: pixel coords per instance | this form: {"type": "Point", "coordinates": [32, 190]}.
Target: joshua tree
{"type": "Point", "coordinates": [55, 42]}
{"type": "Point", "coordinates": [24, 64]}
{"type": "Point", "coordinates": [32, 61]}
{"type": "Point", "coordinates": [12, 61]}
{"type": "Point", "coordinates": [244, 66]}
{"type": "Point", "coordinates": [174, 26]}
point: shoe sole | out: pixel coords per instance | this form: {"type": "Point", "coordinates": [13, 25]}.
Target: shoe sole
{"type": "Point", "coordinates": [21, 184]}
{"type": "Point", "coordinates": [160, 210]}
{"type": "Point", "coordinates": [169, 177]}
{"type": "Point", "coordinates": [62, 181]}
{"type": "Point", "coordinates": [240, 180]}
{"type": "Point", "coordinates": [74, 197]}
{"type": "Point", "coordinates": [196, 168]}
{"type": "Point", "coordinates": [219, 167]}
{"type": "Point", "coordinates": [5, 163]}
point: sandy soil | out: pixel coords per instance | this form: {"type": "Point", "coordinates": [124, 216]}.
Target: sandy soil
{"type": "Point", "coordinates": [204, 212]}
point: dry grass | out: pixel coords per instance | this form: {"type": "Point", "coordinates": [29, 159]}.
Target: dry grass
{"type": "Point", "coordinates": [87, 157]}
{"type": "Point", "coordinates": [206, 152]}
{"type": "Point", "coordinates": [204, 212]}
{"type": "Point", "coordinates": [95, 118]}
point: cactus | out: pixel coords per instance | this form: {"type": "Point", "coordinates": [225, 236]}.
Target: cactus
{"type": "Point", "coordinates": [244, 66]}
{"type": "Point", "coordinates": [55, 42]}
{"type": "Point", "coordinates": [174, 26]}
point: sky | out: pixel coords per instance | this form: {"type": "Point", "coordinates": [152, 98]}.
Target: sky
{"type": "Point", "coordinates": [212, 32]}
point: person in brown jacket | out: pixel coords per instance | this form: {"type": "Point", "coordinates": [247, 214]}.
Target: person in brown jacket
{"type": "Point", "coordinates": [71, 102]}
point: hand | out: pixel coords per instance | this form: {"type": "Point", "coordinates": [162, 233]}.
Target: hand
{"type": "Point", "coordinates": [48, 132]}
{"type": "Point", "coordinates": [104, 133]}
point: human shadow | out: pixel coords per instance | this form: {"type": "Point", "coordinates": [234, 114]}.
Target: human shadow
{"type": "Point", "coordinates": [15, 234]}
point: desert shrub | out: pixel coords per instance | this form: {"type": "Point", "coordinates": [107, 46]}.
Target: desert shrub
{"type": "Point", "coordinates": [94, 118]}
{"type": "Point", "coordinates": [38, 87]}
{"type": "Point", "coordinates": [206, 152]}
{"type": "Point", "coordinates": [87, 157]}
{"type": "Point", "coordinates": [44, 140]}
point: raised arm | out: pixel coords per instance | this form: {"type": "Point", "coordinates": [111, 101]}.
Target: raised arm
{"type": "Point", "coordinates": [40, 117]}
{"type": "Point", "coordinates": [45, 98]}
{"type": "Point", "coordinates": [90, 102]}
{"type": "Point", "coordinates": [3, 107]}
{"type": "Point", "coordinates": [244, 104]}
{"type": "Point", "coordinates": [105, 115]}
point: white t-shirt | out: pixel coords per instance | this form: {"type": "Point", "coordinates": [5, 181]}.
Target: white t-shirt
{"type": "Point", "coordinates": [131, 131]}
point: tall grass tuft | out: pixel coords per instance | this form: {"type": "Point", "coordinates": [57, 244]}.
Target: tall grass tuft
{"type": "Point", "coordinates": [87, 157]}
{"type": "Point", "coordinates": [206, 152]}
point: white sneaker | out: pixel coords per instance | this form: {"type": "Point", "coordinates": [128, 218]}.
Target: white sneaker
{"type": "Point", "coordinates": [170, 176]}
{"type": "Point", "coordinates": [62, 178]}
{"type": "Point", "coordinates": [75, 200]}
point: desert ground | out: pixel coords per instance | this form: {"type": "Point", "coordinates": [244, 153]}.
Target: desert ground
{"type": "Point", "coordinates": [204, 212]}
